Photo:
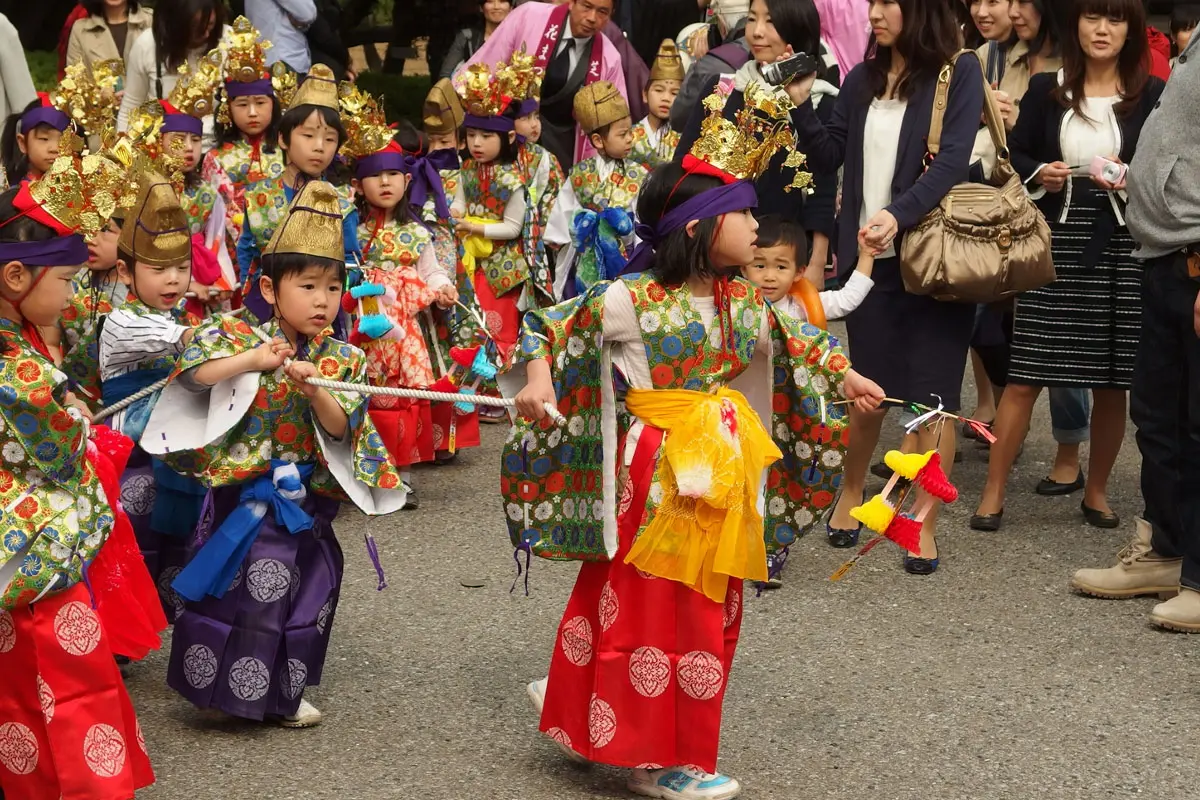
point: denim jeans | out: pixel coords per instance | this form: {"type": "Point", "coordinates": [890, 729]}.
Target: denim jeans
{"type": "Point", "coordinates": [1165, 407]}
{"type": "Point", "coordinates": [1070, 414]}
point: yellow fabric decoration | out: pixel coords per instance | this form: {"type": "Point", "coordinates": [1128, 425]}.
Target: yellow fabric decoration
{"type": "Point", "coordinates": [876, 514]}
{"type": "Point", "coordinates": [907, 465]}
{"type": "Point", "coordinates": [475, 246]}
{"type": "Point", "coordinates": [707, 528]}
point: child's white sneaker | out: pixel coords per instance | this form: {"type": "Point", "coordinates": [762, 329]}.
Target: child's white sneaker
{"type": "Point", "coordinates": [306, 716]}
{"type": "Point", "coordinates": [683, 783]}
{"type": "Point", "coordinates": [537, 694]}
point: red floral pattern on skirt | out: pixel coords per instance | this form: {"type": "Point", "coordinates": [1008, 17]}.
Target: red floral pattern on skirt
{"type": "Point", "coordinates": [640, 663]}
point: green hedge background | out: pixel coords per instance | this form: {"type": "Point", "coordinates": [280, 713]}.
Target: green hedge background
{"type": "Point", "coordinates": [403, 95]}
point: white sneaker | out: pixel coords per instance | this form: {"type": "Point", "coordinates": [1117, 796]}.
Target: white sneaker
{"type": "Point", "coordinates": [683, 783]}
{"type": "Point", "coordinates": [306, 716]}
{"type": "Point", "coordinates": [537, 694]}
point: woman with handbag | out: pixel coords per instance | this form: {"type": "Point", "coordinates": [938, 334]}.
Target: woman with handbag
{"type": "Point", "coordinates": [914, 345]}
{"type": "Point", "coordinates": [1077, 130]}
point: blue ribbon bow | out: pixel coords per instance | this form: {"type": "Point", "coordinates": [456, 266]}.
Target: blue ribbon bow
{"type": "Point", "coordinates": [598, 233]}
{"type": "Point", "coordinates": [212, 569]}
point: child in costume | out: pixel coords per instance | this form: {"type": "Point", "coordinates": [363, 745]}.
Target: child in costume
{"type": "Point", "coordinates": [310, 133]}
{"type": "Point", "coordinates": [278, 454]}
{"type": "Point", "coordinates": [67, 727]}
{"type": "Point", "coordinates": [592, 221]}
{"type": "Point", "coordinates": [654, 141]}
{"type": "Point", "coordinates": [138, 345]}
{"type": "Point", "coordinates": [401, 280]}
{"type": "Point", "coordinates": [247, 120]}
{"type": "Point", "coordinates": [31, 138]}
{"type": "Point", "coordinates": [666, 510]}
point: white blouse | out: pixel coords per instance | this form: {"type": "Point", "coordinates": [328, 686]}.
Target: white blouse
{"type": "Point", "coordinates": [1084, 139]}
{"type": "Point", "coordinates": [881, 145]}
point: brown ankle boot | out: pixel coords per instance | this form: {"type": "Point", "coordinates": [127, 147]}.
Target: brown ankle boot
{"type": "Point", "coordinates": [1180, 613]}
{"type": "Point", "coordinates": [1138, 571]}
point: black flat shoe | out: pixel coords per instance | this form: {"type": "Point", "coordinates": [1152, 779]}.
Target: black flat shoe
{"type": "Point", "coordinates": [411, 503]}
{"type": "Point", "coordinates": [1051, 488]}
{"type": "Point", "coordinates": [881, 470]}
{"type": "Point", "coordinates": [920, 566]}
{"type": "Point", "coordinates": [842, 537]}
{"type": "Point", "coordinates": [987, 522]}
{"type": "Point", "coordinates": [1097, 518]}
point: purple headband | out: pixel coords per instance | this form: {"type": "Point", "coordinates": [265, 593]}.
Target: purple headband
{"type": "Point", "coordinates": [494, 124]}
{"type": "Point", "coordinates": [382, 161]}
{"type": "Point", "coordinates": [182, 123]}
{"type": "Point", "coordinates": [527, 107]}
{"type": "Point", "coordinates": [426, 181]}
{"type": "Point", "coordinates": [61, 251]}
{"type": "Point", "coordinates": [44, 115]}
{"type": "Point", "coordinates": [736, 196]}
{"type": "Point", "coordinates": [262, 86]}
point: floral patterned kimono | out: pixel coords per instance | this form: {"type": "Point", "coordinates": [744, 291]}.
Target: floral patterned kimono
{"type": "Point", "coordinates": [243, 162]}
{"type": "Point", "coordinates": [400, 256]}
{"type": "Point", "coordinates": [592, 222]}
{"type": "Point", "coordinates": [96, 295]}
{"type": "Point", "coordinates": [504, 284]}
{"type": "Point", "coordinates": [640, 662]}
{"type": "Point", "coordinates": [263, 581]}
{"type": "Point", "coordinates": [543, 180]}
{"type": "Point", "coordinates": [67, 727]}
{"type": "Point", "coordinates": [653, 148]}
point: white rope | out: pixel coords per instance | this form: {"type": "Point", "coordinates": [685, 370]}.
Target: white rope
{"type": "Point", "coordinates": [121, 405]}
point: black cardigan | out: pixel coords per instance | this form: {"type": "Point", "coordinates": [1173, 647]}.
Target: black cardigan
{"type": "Point", "coordinates": [812, 212]}
{"type": "Point", "coordinates": [1036, 138]}
{"type": "Point", "coordinates": [915, 190]}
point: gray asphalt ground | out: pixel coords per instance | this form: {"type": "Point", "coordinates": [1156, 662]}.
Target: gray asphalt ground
{"type": "Point", "coordinates": [986, 680]}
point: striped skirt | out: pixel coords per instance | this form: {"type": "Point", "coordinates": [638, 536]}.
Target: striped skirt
{"type": "Point", "coordinates": [1082, 329]}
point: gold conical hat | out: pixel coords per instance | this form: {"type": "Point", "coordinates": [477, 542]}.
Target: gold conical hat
{"type": "Point", "coordinates": [443, 111]}
{"type": "Point", "coordinates": [668, 65]}
{"type": "Point", "coordinates": [599, 104]}
{"type": "Point", "coordinates": [156, 229]}
{"type": "Point", "coordinates": [312, 225]}
{"type": "Point", "coordinates": [319, 88]}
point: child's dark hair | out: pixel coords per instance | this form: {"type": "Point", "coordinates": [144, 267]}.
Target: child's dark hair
{"type": "Point", "coordinates": [295, 117]}
{"type": "Point", "coordinates": [15, 227]}
{"type": "Point", "coordinates": [229, 134]}
{"type": "Point", "coordinates": [775, 231]}
{"type": "Point", "coordinates": [410, 138]}
{"type": "Point", "coordinates": [1181, 26]}
{"type": "Point", "coordinates": [508, 148]}
{"type": "Point", "coordinates": [278, 266]}
{"type": "Point", "coordinates": [678, 256]}
{"type": "Point", "coordinates": [16, 163]}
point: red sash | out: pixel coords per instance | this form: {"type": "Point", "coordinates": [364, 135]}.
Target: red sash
{"type": "Point", "coordinates": [550, 37]}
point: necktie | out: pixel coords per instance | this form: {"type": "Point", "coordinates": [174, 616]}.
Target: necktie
{"type": "Point", "coordinates": [559, 70]}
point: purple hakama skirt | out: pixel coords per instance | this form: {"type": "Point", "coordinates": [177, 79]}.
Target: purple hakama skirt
{"type": "Point", "coordinates": [164, 554]}
{"type": "Point", "coordinates": [252, 652]}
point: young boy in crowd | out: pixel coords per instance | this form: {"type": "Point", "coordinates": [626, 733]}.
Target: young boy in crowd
{"type": "Point", "coordinates": [654, 141]}
{"type": "Point", "coordinates": [1184, 19]}
{"type": "Point", "coordinates": [592, 220]}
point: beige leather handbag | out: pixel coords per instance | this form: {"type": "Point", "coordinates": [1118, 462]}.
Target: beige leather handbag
{"type": "Point", "coordinates": [984, 241]}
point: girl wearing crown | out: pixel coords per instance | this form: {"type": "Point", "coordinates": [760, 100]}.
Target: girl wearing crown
{"type": "Point", "coordinates": [31, 137]}
{"type": "Point", "coordinates": [311, 132]}
{"type": "Point", "coordinates": [69, 729]}
{"type": "Point", "coordinates": [665, 511]}
{"type": "Point", "coordinates": [278, 454]}
{"type": "Point", "coordinates": [246, 122]}
{"type": "Point", "coordinates": [492, 212]}
{"type": "Point", "coordinates": [401, 280]}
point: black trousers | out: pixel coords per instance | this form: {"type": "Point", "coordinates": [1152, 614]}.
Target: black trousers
{"type": "Point", "coordinates": [1165, 407]}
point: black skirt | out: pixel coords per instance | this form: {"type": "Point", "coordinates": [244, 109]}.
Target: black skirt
{"type": "Point", "coordinates": [1082, 330]}
{"type": "Point", "coordinates": [914, 347]}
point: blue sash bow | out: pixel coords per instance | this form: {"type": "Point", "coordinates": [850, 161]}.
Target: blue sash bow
{"type": "Point", "coordinates": [596, 240]}
{"type": "Point", "coordinates": [213, 567]}
{"type": "Point", "coordinates": [114, 390]}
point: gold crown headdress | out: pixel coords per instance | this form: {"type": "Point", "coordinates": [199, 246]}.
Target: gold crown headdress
{"type": "Point", "coordinates": [80, 191]}
{"type": "Point", "coordinates": [284, 82]}
{"type": "Point", "coordinates": [156, 230]}
{"type": "Point", "coordinates": [443, 111]}
{"type": "Point", "coordinates": [319, 88]}
{"type": "Point", "coordinates": [519, 78]}
{"type": "Point", "coordinates": [367, 129]}
{"type": "Point", "coordinates": [599, 104]}
{"type": "Point", "coordinates": [244, 53]}
{"type": "Point", "coordinates": [668, 63]}
{"type": "Point", "coordinates": [87, 96]}
{"type": "Point", "coordinates": [194, 95]}
{"type": "Point", "coordinates": [480, 90]}
{"type": "Point", "coordinates": [312, 225]}
{"type": "Point", "coordinates": [744, 148]}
